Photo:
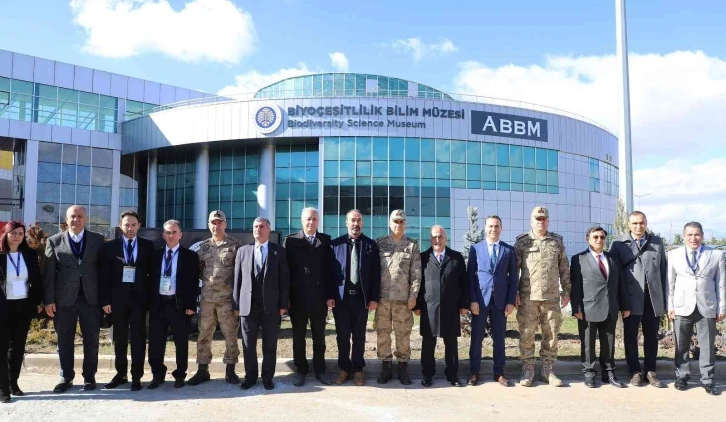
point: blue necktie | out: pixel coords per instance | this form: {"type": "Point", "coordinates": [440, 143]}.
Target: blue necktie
{"type": "Point", "coordinates": [493, 258]}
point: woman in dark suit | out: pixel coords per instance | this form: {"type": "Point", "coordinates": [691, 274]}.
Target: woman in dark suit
{"type": "Point", "coordinates": [20, 297]}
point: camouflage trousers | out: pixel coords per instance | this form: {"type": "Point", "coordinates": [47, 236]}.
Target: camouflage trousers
{"type": "Point", "coordinates": [210, 313]}
{"type": "Point", "coordinates": [394, 315]}
{"type": "Point", "coordinates": [548, 316]}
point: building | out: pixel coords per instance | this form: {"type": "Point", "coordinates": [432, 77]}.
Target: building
{"type": "Point", "coordinates": [334, 141]}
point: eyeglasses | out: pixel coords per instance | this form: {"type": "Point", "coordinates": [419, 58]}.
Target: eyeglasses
{"type": "Point", "coordinates": [598, 237]}
{"type": "Point", "coordinates": [541, 218]}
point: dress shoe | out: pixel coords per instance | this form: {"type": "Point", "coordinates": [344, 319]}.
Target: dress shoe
{"type": "Point", "coordinates": [590, 380]}
{"type": "Point", "coordinates": [504, 382]}
{"type": "Point", "coordinates": [636, 380]}
{"type": "Point", "coordinates": [89, 384]}
{"type": "Point", "coordinates": [15, 390]}
{"type": "Point", "coordinates": [298, 379]}
{"type": "Point", "coordinates": [230, 376]}
{"type": "Point", "coordinates": [473, 379]}
{"type": "Point", "coordinates": [179, 383]}
{"type": "Point", "coordinates": [268, 384]}
{"type": "Point", "coordinates": [454, 381]}
{"type": "Point", "coordinates": [426, 381]}
{"type": "Point", "coordinates": [653, 380]}
{"type": "Point", "coordinates": [5, 396]}
{"type": "Point", "coordinates": [609, 377]}
{"type": "Point", "coordinates": [115, 382]}
{"type": "Point", "coordinates": [63, 386]}
{"type": "Point", "coordinates": [201, 376]}
{"type": "Point", "coordinates": [359, 378]}
{"type": "Point", "coordinates": [136, 385]}
{"type": "Point", "coordinates": [155, 383]}
{"type": "Point", "coordinates": [341, 378]}
{"type": "Point", "coordinates": [247, 384]}
{"type": "Point", "coordinates": [324, 378]}
{"type": "Point", "coordinates": [711, 389]}
{"type": "Point", "coordinates": [681, 384]}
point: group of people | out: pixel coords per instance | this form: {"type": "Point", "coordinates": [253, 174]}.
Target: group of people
{"type": "Point", "coordinates": [248, 288]}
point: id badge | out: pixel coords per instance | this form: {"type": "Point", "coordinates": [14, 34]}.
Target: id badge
{"type": "Point", "coordinates": [165, 286]}
{"type": "Point", "coordinates": [129, 275]}
{"type": "Point", "coordinates": [20, 288]}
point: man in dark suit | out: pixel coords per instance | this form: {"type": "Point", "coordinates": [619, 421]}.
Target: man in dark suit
{"type": "Point", "coordinates": [443, 296]}
{"type": "Point", "coordinates": [356, 274]}
{"type": "Point", "coordinates": [125, 295]}
{"type": "Point", "coordinates": [598, 291]}
{"type": "Point", "coordinates": [311, 293]}
{"type": "Point", "coordinates": [261, 296]}
{"type": "Point", "coordinates": [71, 286]}
{"type": "Point", "coordinates": [644, 266]}
{"type": "Point", "coordinates": [174, 291]}
{"type": "Point", "coordinates": [492, 270]}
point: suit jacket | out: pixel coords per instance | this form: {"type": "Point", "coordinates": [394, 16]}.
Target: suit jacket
{"type": "Point", "coordinates": [504, 278]}
{"type": "Point", "coordinates": [35, 288]}
{"type": "Point", "coordinates": [113, 290]}
{"type": "Point", "coordinates": [62, 275]}
{"type": "Point", "coordinates": [705, 289]}
{"type": "Point", "coordinates": [187, 278]}
{"type": "Point", "coordinates": [370, 267]}
{"type": "Point", "coordinates": [310, 281]}
{"type": "Point", "coordinates": [592, 295]}
{"type": "Point", "coordinates": [444, 290]}
{"type": "Point", "coordinates": [650, 267]}
{"type": "Point", "coordinates": [275, 283]}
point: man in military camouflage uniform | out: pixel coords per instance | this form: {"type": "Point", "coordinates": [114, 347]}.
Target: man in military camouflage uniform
{"type": "Point", "coordinates": [216, 259]}
{"type": "Point", "coordinates": [400, 282]}
{"type": "Point", "coordinates": [543, 267]}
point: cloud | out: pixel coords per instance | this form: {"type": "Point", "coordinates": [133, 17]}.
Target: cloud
{"type": "Point", "coordinates": [203, 30]}
{"type": "Point", "coordinates": [677, 119]}
{"type": "Point", "coordinates": [339, 61]}
{"type": "Point", "coordinates": [250, 82]}
{"type": "Point", "coordinates": [419, 50]}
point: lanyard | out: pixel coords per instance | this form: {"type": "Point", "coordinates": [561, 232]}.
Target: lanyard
{"type": "Point", "coordinates": [16, 266]}
{"type": "Point", "coordinates": [129, 258]}
{"type": "Point", "coordinates": [167, 265]}
{"type": "Point", "coordinates": [694, 265]}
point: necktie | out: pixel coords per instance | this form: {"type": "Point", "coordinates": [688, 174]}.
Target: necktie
{"type": "Point", "coordinates": [493, 258]}
{"type": "Point", "coordinates": [440, 258]}
{"type": "Point", "coordinates": [130, 253]}
{"type": "Point", "coordinates": [167, 268]}
{"type": "Point", "coordinates": [694, 261]}
{"type": "Point", "coordinates": [258, 260]}
{"type": "Point", "coordinates": [354, 276]}
{"type": "Point", "coordinates": [602, 267]}
{"type": "Point", "coordinates": [311, 239]}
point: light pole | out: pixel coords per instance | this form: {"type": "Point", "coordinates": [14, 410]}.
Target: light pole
{"type": "Point", "coordinates": [640, 196]}
{"type": "Point", "coordinates": [625, 147]}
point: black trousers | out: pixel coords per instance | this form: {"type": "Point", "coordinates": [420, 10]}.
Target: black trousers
{"type": "Point", "coordinates": [299, 320]}
{"type": "Point", "coordinates": [650, 337]}
{"type": "Point", "coordinates": [451, 356]}
{"type": "Point", "coordinates": [129, 323]}
{"type": "Point", "coordinates": [165, 314]}
{"type": "Point", "coordinates": [12, 350]}
{"type": "Point", "coordinates": [65, 320]}
{"type": "Point", "coordinates": [589, 332]}
{"type": "Point", "coordinates": [351, 318]}
{"type": "Point", "coordinates": [251, 325]}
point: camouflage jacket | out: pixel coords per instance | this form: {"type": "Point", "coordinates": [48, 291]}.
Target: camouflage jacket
{"type": "Point", "coordinates": [543, 266]}
{"type": "Point", "coordinates": [217, 268]}
{"type": "Point", "coordinates": [400, 268]}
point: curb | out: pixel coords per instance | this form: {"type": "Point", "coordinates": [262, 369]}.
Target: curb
{"type": "Point", "coordinates": [664, 368]}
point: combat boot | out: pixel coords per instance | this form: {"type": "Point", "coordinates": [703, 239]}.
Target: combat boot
{"type": "Point", "coordinates": [547, 375]}
{"type": "Point", "coordinates": [403, 373]}
{"type": "Point", "coordinates": [527, 375]}
{"type": "Point", "coordinates": [201, 376]}
{"type": "Point", "coordinates": [386, 374]}
{"type": "Point", "coordinates": [230, 375]}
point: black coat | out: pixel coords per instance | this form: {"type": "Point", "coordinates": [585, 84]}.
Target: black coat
{"type": "Point", "coordinates": [310, 282]}
{"type": "Point", "coordinates": [187, 278]}
{"type": "Point", "coordinates": [35, 288]}
{"type": "Point", "coordinates": [591, 294]}
{"type": "Point", "coordinates": [444, 290]}
{"type": "Point", "coordinates": [111, 288]}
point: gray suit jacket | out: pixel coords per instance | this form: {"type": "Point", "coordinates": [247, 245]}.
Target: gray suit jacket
{"type": "Point", "coordinates": [651, 267]}
{"type": "Point", "coordinates": [705, 289]}
{"type": "Point", "coordinates": [275, 285]}
{"type": "Point", "coordinates": [62, 275]}
{"type": "Point", "coordinates": [594, 296]}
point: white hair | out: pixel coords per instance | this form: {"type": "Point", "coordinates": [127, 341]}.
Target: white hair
{"type": "Point", "coordinates": [309, 209]}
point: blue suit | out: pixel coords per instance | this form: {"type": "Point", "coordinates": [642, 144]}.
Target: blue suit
{"type": "Point", "coordinates": [502, 283]}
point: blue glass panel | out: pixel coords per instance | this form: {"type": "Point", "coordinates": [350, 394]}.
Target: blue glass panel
{"type": "Point", "coordinates": [530, 176]}
{"type": "Point", "coordinates": [413, 149]}
{"type": "Point", "coordinates": [312, 192]}
{"type": "Point", "coordinates": [412, 170]}
{"type": "Point", "coordinates": [347, 169]}
{"type": "Point", "coordinates": [516, 175]}
{"type": "Point", "coordinates": [553, 189]}
{"type": "Point", "coordinates": [458, 171]}
{"type": "Point", "coordinates": [395, 148]}
{"type": "Point", "coordinates": [443, 151]}
{"type": "Point", "coordinates": [489, 154]}
{"type": "Point", "coordinates": [541, 159]}
{"type": "Point", "coordinates": [396, 169]}
{"type": "Point", "coordinates": [50, 172]}
{"type": "Point", "coordinates": [473, 152]}
{"type": "Point", "coordinates": [428, 170]}
{"type": "Point", "coordinates": [542, 177]}
{"type": "Point", "coordinates": [516, 187]}
{"type": "Point", "coordinates": [503, 174]}
{"type": "Point", "coordinates": [552, 178]}
{"type": "Point", "coordinates": [250, 175]}
{"type": "Point", "coordinates": [100, 195]}
{"type": "Point", "coordinates": [282, 175]}
{"type": "Point", "coordinates": [297, 156]}
{"type": "Point", "coordinates": [380, 148]}
{"type": "Point", "coordinates": [297, 174]}
{"type": "Point", "coordinates": [443, 171]}
{"type": "Point", "coordinates": [330, 169]}
{"type": "Point", "coordinates": [69, 174]}
{"type": "Point", "coordinates": [282, 157]}
{"type": "Point", "coordinates": [347, 148]}
{"type": "Point", "coordinates": [490, 185]}
{"type": "Point", "coordinates": [83, 175]}
{"type": "Point", "coordinates": [530, 187]}
{"type": "Point", "coordinates": [473, 184]}
{"type": "Point", "coordinates": [297, 191]}
{"type": "Point", "coordinates": [381, 182]}
{"type": "Point", "coordinates": [443, 183]}
{"type": "Point", "coordinates": [311, 174]}
{"type": "Point", "coordinates": [541, 189]}
{"type": "Point", "coordinates": [83, 194]}
{"type": "Point", "coordinates": [428, 150]}
{"type": "Point", "coordinates": [528, 157]}
{"type": "Point", "coordinates": [458, 184]}
{"type": "Point", "coordinates": [503, 186]}
{"type": "Point", "coordinates": [380, 169]}
{"type": "Point", "coordinates": [473, 172]}
{"type": "Point", "coordinates": [515, 156]}
{"type": "Point", "coordinates": [363, 168]}
{"type": "Point", "coordinates": [49, 192]}
{"type": "Point", "coordinates": [552, 160]}
{"type": "Point", "coordinates": [502, 155]}
{"type": "Point", "coordinates": [458, 151]}
{"type": "Point", "coordinates": [489, 173]}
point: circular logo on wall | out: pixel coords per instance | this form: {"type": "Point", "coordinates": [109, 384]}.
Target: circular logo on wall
{"type": "Point", "coordinates": [267, 118]}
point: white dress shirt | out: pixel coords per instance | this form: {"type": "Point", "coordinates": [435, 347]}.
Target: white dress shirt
{"type": "Point", "coordinates": [77, 237]}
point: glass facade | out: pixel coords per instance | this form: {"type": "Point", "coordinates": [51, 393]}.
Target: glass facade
{"type": "Point", "coordinates": [610, 184]}
{"type": "Point", "coordinates": [34, 102]}
{"type": "Point", "coordinates": [233, 181]}
{"type": "Point", "coordinates": [70, 174]}
{"type": "Point", "coordinates": [348, 85]}
{"type": "Point", "coordinates": [175, 187]}
{"type": "Point", "coordinates": [136, 109]}
{"type": "Point", "coordinates": [129, 186]}
{"type": "Point", "coordinates": [296, 184]}
{"type": "Point", "coordinates": [380, 174]}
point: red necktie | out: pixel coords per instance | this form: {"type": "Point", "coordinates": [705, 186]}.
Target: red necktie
{"type": "Point", "coordinates": [602, 267]}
